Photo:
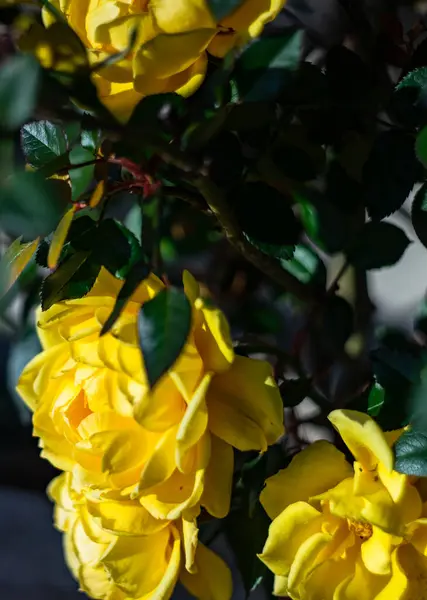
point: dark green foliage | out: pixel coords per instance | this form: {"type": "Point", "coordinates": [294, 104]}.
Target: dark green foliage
{"type": "Point", "coordinates": [163, 326]}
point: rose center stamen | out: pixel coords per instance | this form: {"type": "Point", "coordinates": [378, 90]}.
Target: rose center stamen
{"type": "Point", "coordinates": [362, 530]}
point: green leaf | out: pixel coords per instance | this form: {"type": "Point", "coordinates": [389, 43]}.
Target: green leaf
{"type": "Point", "coordinates": [420, 321]}
{"type": "Point", "coordinates": [164, 326]}
{"type": "Point", "coordinates": [223, 8]}
{"type": "Point", "coordinates": [410, 98]}
{"type": "Point", "coordinates": [136, 275]}
{"type": "Point", "coordinates": [133, 221]}
{"type": "Point", "coordinates": [91, 139]}
{"type": "Point", "coordinates": [306, 265]}
{"type": "Point", "coordinates": [421, 146]}
{"type": "Point", "coordinates": [19, 87]}
{"type": "Point", "coordinates": [282, 252]}
{"type": "Point", "coordinates": [376, 399]}
{"type": "Point", "coordinates": [390, 173]}
{"type": "Point", "coordinates": [396, 365]}
{"type": "Point", "coordinates": [267, 65]}
{"type": "Point", "coordinates": [30, 206]}
{"type": "Point", "coordinates": [247, 535]}
{"type": "Point", "coordinates": [81, 177]}
{"type": "Point", "coordinates": [378, 245]}
{"type": "Point", "coordinates": [43, 142]}
{"type": "Point", "coordinates": [65, 283]}
{"type": "Point", "coordinates": [411, 454]}
{"type": "Point", "coordinates": [265, 215]}
{"type": "Point", "coordinates": [116, 248]}
{"type": "Point", "coordinates": [419, 214]}
{"type": "Point", "coordinates": [326, 225]}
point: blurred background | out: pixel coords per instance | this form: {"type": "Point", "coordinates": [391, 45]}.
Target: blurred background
{"type": "Point", "coordinates": [31, 560]}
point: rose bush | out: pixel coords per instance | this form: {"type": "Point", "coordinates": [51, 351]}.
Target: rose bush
{"type": "Point", "coordinates": [341, 532]}
{"type": "Point", "coordinates": [172, 38]}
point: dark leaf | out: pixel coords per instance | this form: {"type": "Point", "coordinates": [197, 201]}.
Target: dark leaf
{"type": "Point", "coordinates": [396, 364]}
{"type": "Point", "coordinates": [43, 142]}
{"type": "Point", "coordinates": [420, 321]}
{"type": "Point", "coordinates": [325, 224]}
{"type": "Point", "coordinates": [416, 400]}
{"type": "Point", "coordinates": [411, 454]}
{"type": "Point", "coordinates": [200, 133]}
{"type": "Point", "coordinates": [250, 115]}
{"type": "Point", "coordinates": [306, 265]}
{"type": "Point", "coordinates": [136, 275]}
{"type": "Point", "coordinates": [81, 177]}
{"type": "Point", "coordinates": [390, 173]}
{"type": "Point", "coordinates": [19, 87]}
{"type": "Point", "coordinates": [419, 214]}
{"type": "Point", "coordinates": [342, 191]}
{"type": "Point", "coordinates": [265, 215]}
{"type": "Point", "coordinates": [247, 535]}
{"type": "Point", "coordinates": [376, 399]}
{"type": "Point", "coordinates": [42, 253]}
{"type": "Point", "coordinates": [294, 162]}
{"type": "Point", "coordinates": [378, 245]}
{"type": "Point", "coordinates": [91, 139]}
{"type": "Point", "coordinates": [115, 247]}
{"type": "Point", "coordinates": [421, 146]}
{"type": "Point", "coordinates": [30, 206]}
{"type": "Point", "coordinates": [163, 325]}
{"type": "Point", "coordinates": [267, 66]}
{"type": "Point", "coordinates": [410, 98]}
{"type": "Point", "coordinates": [223, 8]}
{"type": "Point", "coordinates": [66, 282]}
{"type": "Point", "coordinates": [282, 252]}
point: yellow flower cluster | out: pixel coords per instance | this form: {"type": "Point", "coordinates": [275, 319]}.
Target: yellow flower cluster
{"type": "Point", "coordinates": [140, 463]}
{"type": "Point", "coordinates": [343, 533]}
{"type": "Point", "coordinates": [172, 37]}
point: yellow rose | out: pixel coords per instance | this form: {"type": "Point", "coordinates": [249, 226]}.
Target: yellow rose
{"type": "Point", "coordinates": [117, 551]}
{"type": "Point", "coordinates": [343, 533]}
{"type": "Point", "coordinates": [170, 50]}
{"type": "Point", "coordinates": [170, 447]}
